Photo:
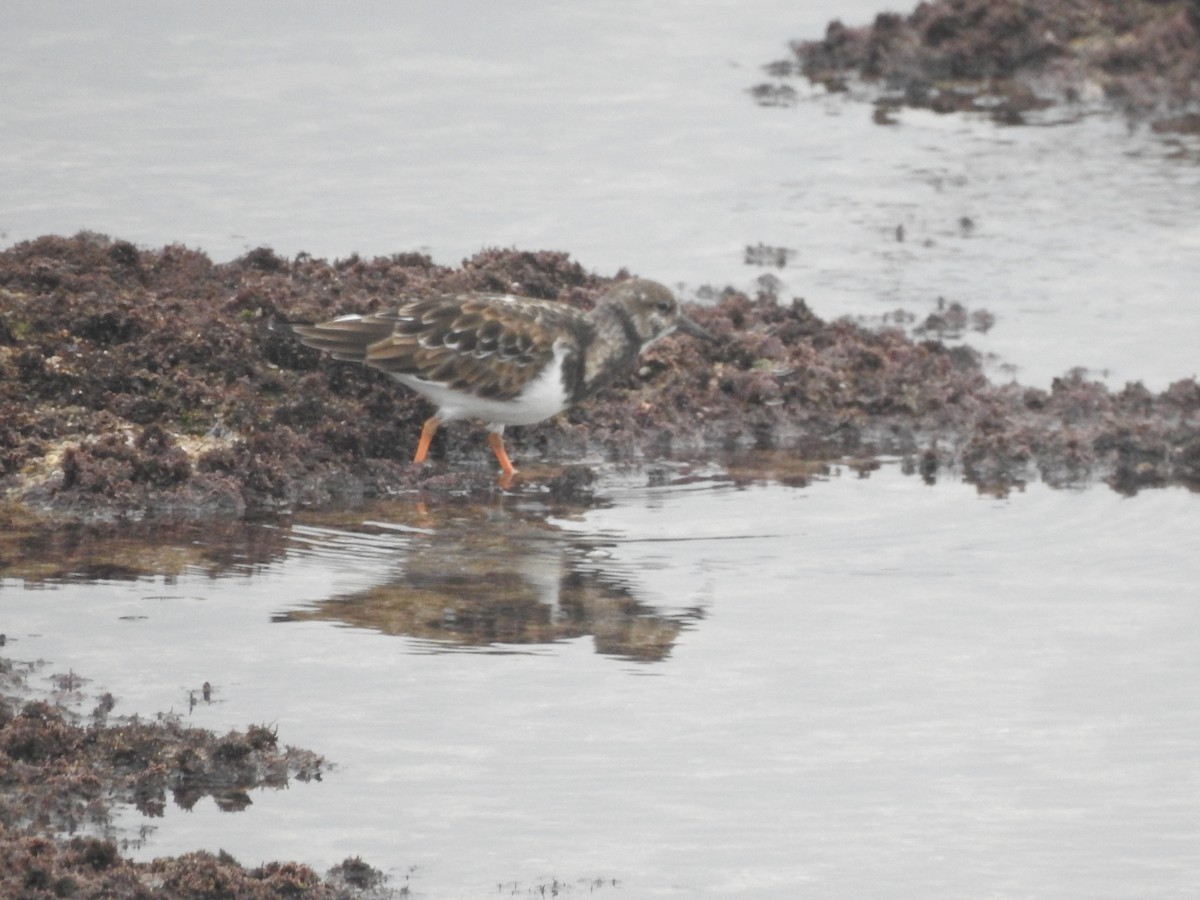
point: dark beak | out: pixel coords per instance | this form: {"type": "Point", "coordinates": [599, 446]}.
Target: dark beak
{"type": "Point", "coordinates": [687, 326]}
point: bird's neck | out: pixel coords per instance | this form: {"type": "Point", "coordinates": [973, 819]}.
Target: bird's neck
{"type": "Point", "coordinates": [612, 349]}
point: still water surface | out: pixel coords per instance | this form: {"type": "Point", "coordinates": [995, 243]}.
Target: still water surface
{"type": "Point", "coordinates": [858, 687]}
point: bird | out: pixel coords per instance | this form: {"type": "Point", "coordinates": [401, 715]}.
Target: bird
{"type": "Point", "coordinates": [503, 359]}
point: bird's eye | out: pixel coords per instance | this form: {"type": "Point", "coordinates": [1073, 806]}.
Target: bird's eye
{"type": "Point", "coordinates": [665, 306]}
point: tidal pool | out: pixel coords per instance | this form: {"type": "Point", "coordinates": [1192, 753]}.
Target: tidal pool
{"type": "Point", "coordinates": [728, 682]}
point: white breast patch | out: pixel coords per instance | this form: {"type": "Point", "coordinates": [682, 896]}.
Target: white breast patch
{"type": "Point", "coordinates": [542, 397]}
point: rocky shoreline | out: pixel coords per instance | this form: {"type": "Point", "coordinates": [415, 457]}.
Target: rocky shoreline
{"type": "Point", "coordinates": [149, 383]}
{"type": "Point", "coordinates": [64, 774]}
{"type": "Point", "coordinates": [1008, 58]}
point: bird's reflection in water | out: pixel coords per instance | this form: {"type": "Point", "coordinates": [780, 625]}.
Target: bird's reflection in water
{"type": "Point", "coordinates": [506, 582]}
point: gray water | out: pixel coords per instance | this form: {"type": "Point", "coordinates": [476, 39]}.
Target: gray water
{"type": "Point", "coordinates": [868, 687]}
{"type": "Point", "coordinates": [759, 687]}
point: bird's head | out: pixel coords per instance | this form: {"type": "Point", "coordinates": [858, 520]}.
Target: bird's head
{"type": "Point", "coordinates": [650, 311]}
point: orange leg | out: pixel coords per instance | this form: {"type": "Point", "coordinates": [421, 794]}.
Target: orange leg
{"type": "Point", "coordinates": [428, 430]}
{"type": "Point", "coordinates": [496, 442]}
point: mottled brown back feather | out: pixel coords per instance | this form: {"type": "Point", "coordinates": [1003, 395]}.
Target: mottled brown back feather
{"type": "Point", "coordinates": [483, 344]}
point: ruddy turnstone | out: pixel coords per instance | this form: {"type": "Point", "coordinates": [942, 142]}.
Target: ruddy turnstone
{"type": "Point", "coordinates": [501, 359]}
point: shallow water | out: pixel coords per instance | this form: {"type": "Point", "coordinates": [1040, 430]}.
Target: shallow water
{"type": "Point", "coordinates": [864, 686]}
{"type": "Point", "coordinates": [622, 133]}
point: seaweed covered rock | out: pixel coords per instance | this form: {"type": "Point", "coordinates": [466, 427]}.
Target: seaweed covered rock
{"type": "Point", "coordinates": [144, 383]}
{"type": "Point", "coordinates": [150, 382]}
{"type": "Point", "coordinates": [62, 778]}
{"type": "Point", "coordinates": [1007, 57]}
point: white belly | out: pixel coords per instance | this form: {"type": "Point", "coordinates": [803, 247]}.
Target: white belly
{"type": "Point", "coordinates": [542, 398]}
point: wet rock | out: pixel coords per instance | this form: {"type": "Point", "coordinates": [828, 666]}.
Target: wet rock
{"type": "Point", "coordinates": [1006, 58]}
{"type": "Point", "coordinates": [761, 254]}
{"type": "Point", "coordinates": [573, 484]}
{"type": "Point", "coordinates": [774, 94]}
{"type": "Point", "coordinates": [156, 388]}
{"type": "Point", "coordinates": [62, 777]}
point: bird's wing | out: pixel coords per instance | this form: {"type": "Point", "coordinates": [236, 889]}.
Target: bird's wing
{"type": "Point", "coordinates": [486, 344]}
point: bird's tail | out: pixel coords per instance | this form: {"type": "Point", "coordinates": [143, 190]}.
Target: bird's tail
{"type": "Point", "coordinates": [347, 337]}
